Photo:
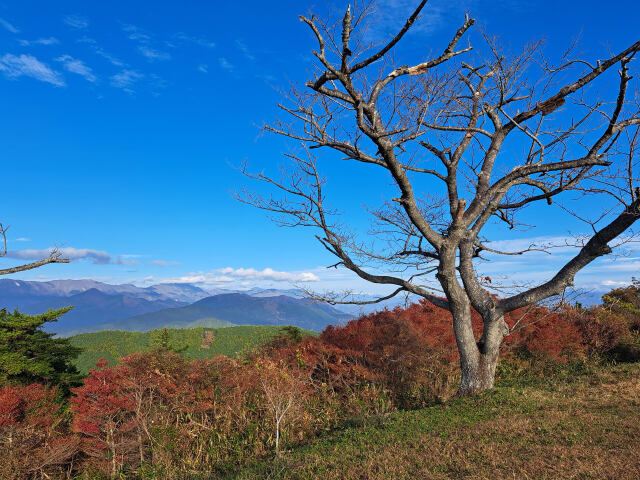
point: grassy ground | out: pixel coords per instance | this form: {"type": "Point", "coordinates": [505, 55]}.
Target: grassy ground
{"type": "Point", "coordinates": [582, 426]}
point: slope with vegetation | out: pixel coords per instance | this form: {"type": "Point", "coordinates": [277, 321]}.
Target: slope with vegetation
{"type": "Point", "coordinates": [194, 343]}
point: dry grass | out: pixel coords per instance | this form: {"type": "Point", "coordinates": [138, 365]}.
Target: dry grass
{"type": "Point", "coordinates": [588, 428]}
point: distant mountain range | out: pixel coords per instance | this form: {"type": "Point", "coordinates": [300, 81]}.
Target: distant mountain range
{"type": "Point", "coordinates": [93, 307]}
{"type": "Point", "coordinates": [101, 306]}
{"type": "Point", "coordinates": [19, 293]}
{"type": "Point", "coordinates": [239, 309]}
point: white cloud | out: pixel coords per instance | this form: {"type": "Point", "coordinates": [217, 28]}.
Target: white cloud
{"type": "Point", "coordinates": [126, 79]}
{"type": "Point", "coordinates": [200, 279]}
{"type": "Point", "coordinates": [39, 41]}
{"type": "Point", "coordinates": [268, 274]}
{"type": "Point", "coordinates": [391, 15]}
{"type": "Point", "coordinates": [612, 283]}
{"type": "Point", "coordinates": [620, 265]}
{"type": "Point", "coordinates": [152, 54]}
{"type": "Point", "coordinates": [245, 50]}
{"type": "Point", "coordinates": [224, 63]}
{"type": "Point", "coordinates": [144, 43]}
{"type": "Point", "coordinates": [99, 51]}
{"type": "Point", "coordinates": [126, 260]}
{"type": "Point", "coordinates": [76, 21]}
{"type": "Point", "coordinates": [554, 244]}
{"type": "Point", "coordinates": [97, 257]}
{"type": "Point", "coordinates": [16, 66]}
{"type": "Point", "coordinates": [203, 68]}
{"type": "Point", "coordinates": [135, 33]}
{"type": "Point", "coordinates": [115, 61]}
{"type": "Point", "coordinates": [163, 263]}
{"type": "Point", "coordinates": [76, 66]}
{"type": "Point", "coordinates": [203, 42]}
{"type": "Point", "coordinates": [8, 26]}
{"type": "Point", "coordinates": [241, 276]}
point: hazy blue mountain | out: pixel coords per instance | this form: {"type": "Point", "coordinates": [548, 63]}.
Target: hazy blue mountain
{"type": "Point", "coordinates": [272, 292]}
{"type": "Point", "coordinates": [20, 293]}
{"type": "Point", "coordinates": [100, 306]}
{"type": "Point", "coordinates": [240, 309]}
{"type": "Point", "coordinates": [220, 291]}
{"type": "Point", "coordinates": [182, 292]}
{"type": "Point", "coordinates": [93, 307]}
{"type": "Point", "coordinates": [66, 288]}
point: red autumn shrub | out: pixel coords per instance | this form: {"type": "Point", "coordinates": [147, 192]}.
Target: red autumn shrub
{"type": "Point", "coordinates": [404, 337]}
{"type": "Point", "coordinates": [32, 405]}
{"type": "Point", "coordinates": [601, 330]}
{"type": "Point", "coordinates": [104, 415]}
{"type": "Point", "coordinates": [547, 335]}
{"type": "Point", "coordinates": [33, 437]}
{"type": "Point", "coordinates": [338, 380]}
{"type": "Point", "coordinates": [420, 322]}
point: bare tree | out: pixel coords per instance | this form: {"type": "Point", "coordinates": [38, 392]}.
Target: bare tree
{"type": "Point", "coordinates": [54, 256]}
{"type": "Point", "coordinates": [485, 135]}
{"type": "Point", "coordinates": [282, 388]}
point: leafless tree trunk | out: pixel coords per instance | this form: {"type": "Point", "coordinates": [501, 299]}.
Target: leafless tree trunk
{"type": "Point", "coordinates": [282, 389]}
{"type": "Point", "coordinates": [454, 123]}
{"type": "Point", "coordinates": [54, 256]}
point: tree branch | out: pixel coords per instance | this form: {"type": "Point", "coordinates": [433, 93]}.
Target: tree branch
{"type": "Point", "coordinates": [596, 247]}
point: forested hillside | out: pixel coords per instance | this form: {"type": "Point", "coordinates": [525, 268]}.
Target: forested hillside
{"type": "Point", "coordinates": [193, 343]}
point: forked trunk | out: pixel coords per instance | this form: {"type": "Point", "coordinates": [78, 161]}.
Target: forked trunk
{"type": "Point", "coordinates": [478, 361]}
{"type": "Point", "coordinates": [478, 374]}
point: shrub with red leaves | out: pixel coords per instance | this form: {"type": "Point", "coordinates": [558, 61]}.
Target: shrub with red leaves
{"type": "Point", "coordinates": [409, 351]}
{"type": "Point", "coordinates": [32, 434]}
{"type": "Point", "coordinates": [104, 415]}
{"type": "Point", "coordinates": [547, 335]}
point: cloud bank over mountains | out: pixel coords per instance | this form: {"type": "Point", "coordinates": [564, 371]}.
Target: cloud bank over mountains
{"type": "Point", "coordinates": [243, 275]}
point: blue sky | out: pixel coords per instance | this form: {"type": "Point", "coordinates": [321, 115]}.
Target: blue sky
{"type": "Point", "coordinates": [121, 123]}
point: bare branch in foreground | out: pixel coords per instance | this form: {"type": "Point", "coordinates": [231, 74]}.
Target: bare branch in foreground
{"type": "Point", "coordinates": [54, 256]}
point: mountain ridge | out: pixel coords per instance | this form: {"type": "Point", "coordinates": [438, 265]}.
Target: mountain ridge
{"type": "Point", "coordinates": [241, 309]}
{"type": "Point", "coordinates": [101, 306]}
